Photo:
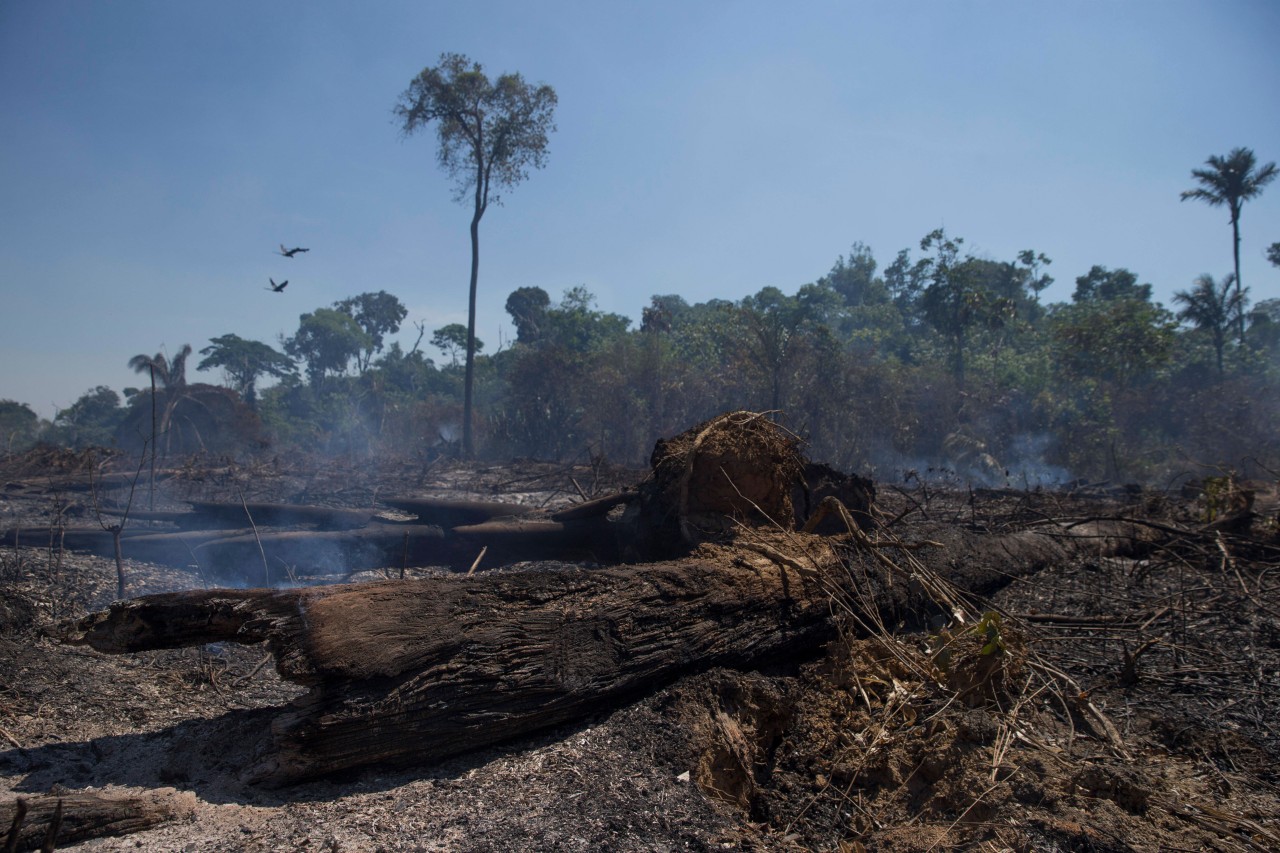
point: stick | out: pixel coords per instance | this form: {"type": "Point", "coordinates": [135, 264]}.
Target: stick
{"type": "Point", "coordinates": [266, 571]}
{"type": "Point", "coordinates": [479, 557]}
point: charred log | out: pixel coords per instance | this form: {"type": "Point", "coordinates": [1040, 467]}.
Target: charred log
{"type": "Point", "coordinates": [453, 513]}
{"type": "Point", "coordinates": [215, 513]}
{"type": "Point", "coordinates": [413, 671]}
{"type": "Point", "coordinates": [81, 816]}
{"type": "Point", "coordinates": [404, 672]}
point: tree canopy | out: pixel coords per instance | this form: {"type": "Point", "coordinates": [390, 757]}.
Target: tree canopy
{"type": "Point", "coordinates": [1232, 180]}
{"type": "Point", "coordinates": [244, 362]}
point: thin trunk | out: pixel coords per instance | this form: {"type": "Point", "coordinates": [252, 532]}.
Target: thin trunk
{"type": "Point", "coordinates": [468, 443]}
{"type": "Point", "coordinates": [1235, 246]}
{"type": "Point", "coordinates": [153, 438]}
{"type": "Point", "coordinates": [116, 530]}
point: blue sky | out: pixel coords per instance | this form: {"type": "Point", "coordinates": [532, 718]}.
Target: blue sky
{"type": "Point", "coordinates": [154, 154]}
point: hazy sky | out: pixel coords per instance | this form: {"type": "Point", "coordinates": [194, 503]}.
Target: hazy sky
{"type": "Point", "coordinates": [153, 155]}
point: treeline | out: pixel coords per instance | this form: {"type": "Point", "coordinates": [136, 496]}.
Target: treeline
{"type": "Point", "coordinates": [939, 360]}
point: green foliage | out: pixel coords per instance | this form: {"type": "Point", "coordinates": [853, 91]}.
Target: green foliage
{"type": "Point", "coordinates": [1120, 340]}
{"type": "Point", "coordinates": [19, 426]}
{"type": "Point", "coordinates": [91, 421]}
{"type": "Point", "coordinates": [577, 326]}
{"type": "Point", "coordinates": [528, 309]}
{"type": "Point", "coordinates": [491, 132]}
{"type": "Point", "coordinates": [945, 364]}
{"type": "Point", "coordinates": [1219, 495]}
{"type": "Point", "coordinates": [962, 295]}
{"type": "Point", "coordinates": [327, 340]}
{"type": "Point", "coordinates": [244, 362]}
{"type": "Point", "coordinates": [452, 341]}
{"type": "Point", "coordinates": [1213, 308]}
{"type": "Point", "coordinates": [990, 630]}
{"type": "Point", "coordinates": [1232, 180]}
{"type": "Point", "coordinates": [378, 314]}
{"type": "Point", "coordinates": [1103, 285]}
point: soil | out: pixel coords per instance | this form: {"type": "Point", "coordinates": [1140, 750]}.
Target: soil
{"type": "Point", "coordinates": [1103, 703]}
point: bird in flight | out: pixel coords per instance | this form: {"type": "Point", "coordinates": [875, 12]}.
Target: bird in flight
{"type": "Point", "coordinates": [277, 288]}
{"type": "Point", "coordinates": [289, 253]}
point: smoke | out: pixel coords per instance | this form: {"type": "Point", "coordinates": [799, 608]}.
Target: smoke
{"type": "Point", "coordinates": [964, 462]}
{"type": "Point", "coordinates": [1027, 466]}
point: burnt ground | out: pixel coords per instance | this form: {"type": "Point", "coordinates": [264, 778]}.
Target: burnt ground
{"type": "Point", "coordinates": [1118, 703]}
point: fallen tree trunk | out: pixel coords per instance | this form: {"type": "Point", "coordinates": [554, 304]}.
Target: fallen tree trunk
{"type": "Point", "coordinates": [410, 671]}
{"type": "Point", "coordinates": [171, 548]}
{"type": "Point", "coordinates": [80, 816]}
{"type": "Point", "coordinates": [413, 671]}
{"type": "Point", "coordinates": [276, 515]}
{"type": "Point", "coordinates": [447, 512]}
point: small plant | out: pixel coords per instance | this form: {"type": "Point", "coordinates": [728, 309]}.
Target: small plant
{"type": "Point", "coordinates": [1218, 496]}
{"type": "Point", "coordinates": [989, 629]}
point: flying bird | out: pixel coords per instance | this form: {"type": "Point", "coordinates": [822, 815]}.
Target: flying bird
{"type": "Point", "coordinates": [277, 288]}
{"type": "Point", "coordinates": [289, 253]}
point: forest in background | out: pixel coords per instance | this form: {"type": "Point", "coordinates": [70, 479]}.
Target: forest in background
{"type": "Point", "coordinates": [939, 363]}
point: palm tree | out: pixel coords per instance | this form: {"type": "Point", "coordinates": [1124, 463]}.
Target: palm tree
{"type": "Point", "coordinates": [1213, 308]}
{"type": "Point", "coordinates": [171, 375]}
{"type": "Point", "coordinates": [1232, 181]}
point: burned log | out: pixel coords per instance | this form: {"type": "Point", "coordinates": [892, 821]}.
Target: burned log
{"type": "Point", "coordinates": [593, 508]}
{"type": "Point", "coordinates": [78, 816]}
{"type": "Point", "coordinates": [410, 671]}
{"type": "Point", "coordinates": [406, 672]}
{"type": "Point", "coordinates": [278, 515]}
{"type": "Point", "coordinates": [171, 548]}
{"type": "Point", "coordinates": [447, 512]}
{"type": "Point", "coordinates": [517, 539]}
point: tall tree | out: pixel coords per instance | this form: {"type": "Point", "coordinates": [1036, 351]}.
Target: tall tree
{"type": "Point", "coordinates": [452, 339]}
{"type": "Point", "coordinates": [18, 425]}
{"type": "Point", "coordinates": [957, 298]}
{"type": "Point", "coordinates": [1212, 308]}
{"type": "Point", "coordinates": [1103, 285]}
{"type": "Point", "coordinates": [171, 375]}
{"type": "Point", "coordinates": [1232, 180]}
{"type": "Point", "coordinates": [491, 132]}
{"type": "Point", "coordinates": [327, 339]}
{"type": "Point", "coordinates": [528, 309]}
{"type": "Point", "coordinates": [243, 362]}
{"type": "Point", "coordinates": [91, 420]}
{"type": "Point", "coordinates": [379, 314]}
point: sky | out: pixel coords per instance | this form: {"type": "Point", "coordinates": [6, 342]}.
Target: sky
{"type": "Point", "coordinates": [154, 155]}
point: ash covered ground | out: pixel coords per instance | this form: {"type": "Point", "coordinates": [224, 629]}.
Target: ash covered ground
{"type": "Point", "coordinates": [1119, 702]}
